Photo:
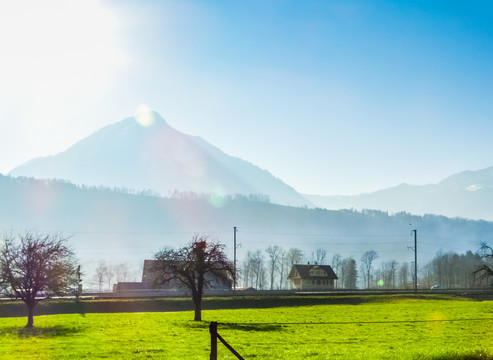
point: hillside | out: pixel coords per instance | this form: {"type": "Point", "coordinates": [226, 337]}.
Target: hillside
{"type": "Point", "coordinates": [468, 194]}
{"type": "Point", "coordinates": [119, 226]}
{"type": "Point", "coordinates": [159, 158]}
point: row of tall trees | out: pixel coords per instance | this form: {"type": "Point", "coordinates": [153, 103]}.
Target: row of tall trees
{"type": "Point", "coordinates": [269, 269]}
{"type": "Point", "coordinates": [346, 271]}
{"type": "Point", "coordinates": [105, 275]}
{"type": "Point", "coordinates": [448, 270]}
{"type": "Point", "coordinates": [451, 270]}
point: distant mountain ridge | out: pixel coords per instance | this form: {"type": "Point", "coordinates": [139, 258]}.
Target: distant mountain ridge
{"type": "Point", "coordinates": [157, 157]}
{"type": "Point", "coordinates": [119, 226]}
{"type": "Point", "coordinates": [153, 156]}
{"type": "Point", "coordinates": [468, 194]}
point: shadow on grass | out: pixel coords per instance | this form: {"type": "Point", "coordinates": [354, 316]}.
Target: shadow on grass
{"type": "Point", "coordinates": [42, 332]}
{"type": "Point", "coordinates": [265, 302]}
{"type": "Point", "coordinates": [233, 326]}
{"type": "Point", "coordinates": [250, 327]}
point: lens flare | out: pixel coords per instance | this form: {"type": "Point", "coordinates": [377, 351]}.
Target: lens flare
{"type": "Point", "coordinates": [381, 282]}
{"type": "Point", "coordinates": [436, 323]}
{"type": "Point", "coordinates": [144, 116]}
{"type": "Point", "coordinates": [217, 200]}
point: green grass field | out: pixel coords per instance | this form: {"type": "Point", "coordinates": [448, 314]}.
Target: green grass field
{"type": "Point", "coordinates": [392, 328]}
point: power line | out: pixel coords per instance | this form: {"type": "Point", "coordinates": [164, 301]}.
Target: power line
{"type": "Point", "coordinates": [75, 232]}
{"type": "Point", "coordinates": [321, 234]}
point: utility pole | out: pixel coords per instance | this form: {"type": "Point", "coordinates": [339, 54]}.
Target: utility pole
{"type": "Point", "coordinates": [79, 284]}
{"type": "Point", "coordinates": [234, 260]}
{"type": "Point", "coordinates": [415, 260]}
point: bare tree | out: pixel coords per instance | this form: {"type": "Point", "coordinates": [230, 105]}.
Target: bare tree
{"type": "Point", "coordinates": [403, 274]}
{"type": "Point", "coordinates": [78, 283]}
{"type": "Point", "coordinates": [336, 266]}
{"type": "Point", "coordinates": [393, 265]}
{"type": "Point", "coordinates": [246, 273]}
{"type": "Point", "coordinates": [349, 272]}
{"type": "Point", "coordinates": [100, 274]}
{"type": "Point", "coordinates": [254, 273]}
{"type": "Point", "coordinates": [110, 272]}
{"type": "Point", "coordinates": [122, 272]}
{"type": "Point", "coordinates": [439, 267]}
{"type": "Point", "coordinates": [283, 270]}
{"type": "Point", "coordinates": [485, 271]}
{"type": "Point", "coordinates": [319, 256]}
{"type": "Point", "coordinates": [388, 273]}
{"type": "Point", "coordinates": [295, 256]}
{"type": "Point", "coordinates": [367, 260]}
{"type": "Point", "coordinates": [34, 267]}
{"type": "Point", "coordinates": [258, 269]}
{"type": "Point", "coordinates": [427, 278]}
{"type": "Point", "coordinates": [378, 277]}
{"type": "Point", "coordinates": [274, 253]}
{"type": "Point", "coordinates": [195, 266]}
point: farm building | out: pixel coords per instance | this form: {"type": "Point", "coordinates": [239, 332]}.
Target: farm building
{"type": "Point", "coordinates": [312, 277]}
{"type": "Point", "coordinates": [130, 286]}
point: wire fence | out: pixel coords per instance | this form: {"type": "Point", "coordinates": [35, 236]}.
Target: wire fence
{"type": "Point", "coordinates": [213, 328]}
{"type": "Point", "coordinates": [355, 322]}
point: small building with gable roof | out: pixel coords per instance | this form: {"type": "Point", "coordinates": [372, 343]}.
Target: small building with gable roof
{"type": "Point", "coordinates": [312, 277]}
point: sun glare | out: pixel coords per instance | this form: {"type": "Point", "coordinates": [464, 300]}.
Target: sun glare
{"type": "Point", "coordinates": [144, 116]}
{"type": "Point", "coordinates": [55, 51]}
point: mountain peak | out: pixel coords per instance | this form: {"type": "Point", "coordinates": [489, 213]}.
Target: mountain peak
{"type": "Point", "coordinates": [143, 152]}
{"type": "Point", "coordinates": [148, 118]}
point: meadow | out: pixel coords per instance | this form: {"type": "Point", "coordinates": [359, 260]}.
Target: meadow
{"type": "Point", "coordinates": [391, 327]}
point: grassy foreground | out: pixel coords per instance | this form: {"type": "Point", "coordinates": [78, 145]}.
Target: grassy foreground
{"type": "Point", "coordinates": [396, 328]}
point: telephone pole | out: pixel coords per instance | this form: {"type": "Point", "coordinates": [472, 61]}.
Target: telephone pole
{"type": "Point", "coordinates": [234, 260]}
{"type": "Point", "coordinates": [415, 260]}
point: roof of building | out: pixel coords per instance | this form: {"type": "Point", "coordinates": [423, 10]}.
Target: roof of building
{"type": "Point", "coordinates": [303, 272]}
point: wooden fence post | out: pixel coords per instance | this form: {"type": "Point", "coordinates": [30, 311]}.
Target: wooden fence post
{"type": "Point", "coordinates": [213, 331]}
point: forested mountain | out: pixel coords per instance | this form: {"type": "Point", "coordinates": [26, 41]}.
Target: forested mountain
{"type": "Point", "coordinates": [468, 194]}
{"type": "Point", "coordinates": [152, 155]}
{"type": "Point", "coordinates": [123, 226]}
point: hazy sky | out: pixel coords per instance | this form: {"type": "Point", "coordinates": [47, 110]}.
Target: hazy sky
{"type": "Point", "coordinates": [333, 97]}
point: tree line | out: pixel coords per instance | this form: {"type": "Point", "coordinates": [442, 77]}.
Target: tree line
{"type": "Point", "coordinates": [34, 267]}
{"type": "Point", "coordinates": [106, 274]}
{"type": "Point", "coordinates": [269, 269]}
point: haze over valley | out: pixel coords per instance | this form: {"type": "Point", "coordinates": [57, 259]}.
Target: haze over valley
{"type": "Point", "coordinates": [132, 188]}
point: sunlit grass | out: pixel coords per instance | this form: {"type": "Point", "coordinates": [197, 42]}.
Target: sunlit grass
{"type": "Point", "coordinates": [396, 329]}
